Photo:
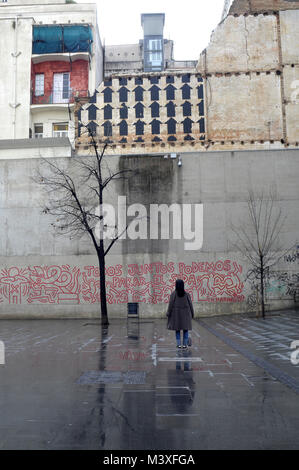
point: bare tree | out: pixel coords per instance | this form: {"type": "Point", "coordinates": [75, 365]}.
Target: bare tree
{"type": "Point", "coordinates": [74, 192]}
{"type": "Point", "coordinates": [257, 237]}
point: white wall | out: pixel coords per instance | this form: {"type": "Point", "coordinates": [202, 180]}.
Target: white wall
{"type": "Point", "coordinates": [49, 116]}
{"type": "Point", "coordinates": [34, 148]}
{"type": "Point", "coordinates": [15, 72]}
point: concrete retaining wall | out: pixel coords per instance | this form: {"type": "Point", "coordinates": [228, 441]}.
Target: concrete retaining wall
{"type": "Point", "coordinates": [46, 275]}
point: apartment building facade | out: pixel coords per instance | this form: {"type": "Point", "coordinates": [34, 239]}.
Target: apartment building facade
{"type": "Point", "coordinates": [51, 53]}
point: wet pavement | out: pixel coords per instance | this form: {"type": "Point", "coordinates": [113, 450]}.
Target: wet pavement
{"type": "Point", "coordinates": [69, 384]}
{"type": "Point", "coordinates": [269, 338]}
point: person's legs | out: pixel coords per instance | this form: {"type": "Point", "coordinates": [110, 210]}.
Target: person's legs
{"type": "Point", "coordinates": [178, 337]}
{"type": "Point", "coordinates": [185, 339]}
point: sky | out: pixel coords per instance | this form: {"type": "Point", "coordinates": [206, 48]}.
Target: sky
{"type": "Point", "coordinates": [188, 23]}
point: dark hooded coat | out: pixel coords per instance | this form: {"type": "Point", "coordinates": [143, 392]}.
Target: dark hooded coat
{"type": "Point", "coordinates": [180, 312]}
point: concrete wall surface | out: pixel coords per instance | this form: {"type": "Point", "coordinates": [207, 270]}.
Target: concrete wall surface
{"type": "Point", "coordinates": [45, 275]}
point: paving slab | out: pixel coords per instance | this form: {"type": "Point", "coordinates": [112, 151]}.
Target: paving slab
{"type": "Point", "coordinates": [265, 341]}
{"type": "Point", "coordinates": [70, 384]}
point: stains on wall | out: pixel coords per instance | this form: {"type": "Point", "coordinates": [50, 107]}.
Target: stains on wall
{"type": "Point", "coordinates": [151, 181]}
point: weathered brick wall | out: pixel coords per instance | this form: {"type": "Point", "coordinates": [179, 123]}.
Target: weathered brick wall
{"type": "Point", "coordinates": [239, 7]}
{"type": "Point", "coordinates": [78, 76]}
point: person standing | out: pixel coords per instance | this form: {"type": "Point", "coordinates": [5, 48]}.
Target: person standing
{"type": "Point", "coordinates": [180, 313]}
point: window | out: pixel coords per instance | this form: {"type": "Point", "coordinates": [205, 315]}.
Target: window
{"type": "Point", "coordinates": [39, 84]}
{"type": "Point", "coordinates": [66, 86]}
{"type": "Point", "coordinates": [155, 48]}
{"type": "Point", "coordinates": [61, 87]}
{"type": "Point", "coordinates": [155, 44]}
{"type": "Point", "coordinates": [155, 58]}
{"type": "Point", "coordinates": [60, 129]}
{"type": "Point", "coordinates": [38, 131]}
{"type": "Point", "coordinates": [153, 53]}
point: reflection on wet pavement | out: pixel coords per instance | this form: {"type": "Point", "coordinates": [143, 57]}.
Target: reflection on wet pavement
{"type": "Point", "coordinates": [69, 384]}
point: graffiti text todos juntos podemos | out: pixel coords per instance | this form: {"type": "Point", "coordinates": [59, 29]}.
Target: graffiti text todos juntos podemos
{"type": "Point", "coordinates": [218, 281]}
{"type": "Point", "coordinates": [169, 268]}
{"type": "Point", "coordinates": [210, 281]}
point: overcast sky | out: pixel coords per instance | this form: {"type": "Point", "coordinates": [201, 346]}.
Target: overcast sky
{"type": "Point", "coordinates": [188, 23]}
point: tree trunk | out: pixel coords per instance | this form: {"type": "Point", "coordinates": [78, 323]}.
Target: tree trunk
{"type": "Point", "coordinates": [262, 286]}
{"type": "Point", "coordinates": [101, 258]}
{"type": "Point", "coordinates": [101, 252]}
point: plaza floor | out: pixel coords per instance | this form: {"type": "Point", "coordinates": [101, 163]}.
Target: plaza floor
{"type": "Point", "coordinates": [69, 384]}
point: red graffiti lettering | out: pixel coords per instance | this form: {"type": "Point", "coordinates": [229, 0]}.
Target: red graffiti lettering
{"type": "Point", "coordinates": [149, 283]}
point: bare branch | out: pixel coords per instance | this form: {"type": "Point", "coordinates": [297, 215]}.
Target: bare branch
{"type": "Point", "coordinates": [115, 176]}
{"type": "Point", "coordinates": [115, 240]}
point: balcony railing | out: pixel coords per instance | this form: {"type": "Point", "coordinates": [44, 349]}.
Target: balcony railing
{"type": "Point", "coordinates": [58, 96]}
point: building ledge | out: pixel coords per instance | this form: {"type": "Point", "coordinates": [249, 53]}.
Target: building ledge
{"type": "Point", "coordinates": [63, 56]}
{"type": "Point", "coordinates": [39, 107]}
{"type": "Point", "coordinates": [13, 149]}
{"type": "Point", "coordinates": [35, 143]}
